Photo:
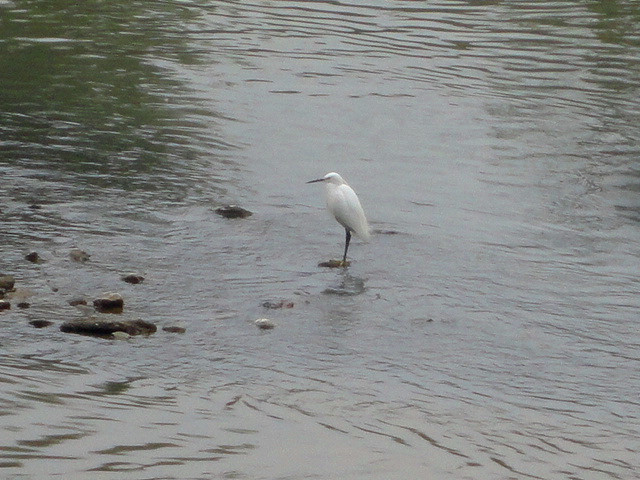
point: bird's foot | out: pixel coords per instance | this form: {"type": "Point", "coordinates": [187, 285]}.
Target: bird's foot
{"type": "Point", "coordinates": [335, 263]}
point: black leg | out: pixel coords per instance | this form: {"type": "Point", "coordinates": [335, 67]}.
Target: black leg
{"type": "Point", "coordinates": [346, 245]}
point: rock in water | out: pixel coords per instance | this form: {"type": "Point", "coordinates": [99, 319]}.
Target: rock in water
{"type": "Point", "coordinates": [233, 211]}
{"type": "Point", "coordinates": [104, 328]}
{"type": "Point", "coordinates": [265, 323]}
{"type": "Point", "coordinates": [33, 257]}
{"type": "Point", "coordinates": [334, 264]}
{"type": "Point", "coordinates": [109, 303]}
{"type": "Point", "coordinates": [275, 305]}
{"type": "Point", "coordinates": [77, 301]}
{"type": "Point", "coordinates": [40, 323]}
{"type": "Point", "coordinates": [4, 305]}
{"type": "Point", "coordinates": [174, 329]}
{"type": "Point", "coordinates": [7, 282]}
{"type": "Point", "coordinates": [132, 278]}
{"type": "Point", "coordinates": [78, 255]}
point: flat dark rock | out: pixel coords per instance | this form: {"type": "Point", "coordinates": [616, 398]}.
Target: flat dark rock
{"type": "Point", "coordinates": [24, 305]}
{"type": "Point", "coordinates": [40, 323]}
{"type": "Point", "coordinates": [132, 278]}
{"type": "Point", "coordinates": [233, 211]}
{"type": "Point", "coordinates": [110, 303]}
{"type": "Point", "coordinates": [4, 305]}
{"type": "Point", "coordinates": [104, 328]}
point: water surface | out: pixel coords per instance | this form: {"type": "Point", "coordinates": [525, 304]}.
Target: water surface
{"type": "Point", "coordinates": [489, 330]}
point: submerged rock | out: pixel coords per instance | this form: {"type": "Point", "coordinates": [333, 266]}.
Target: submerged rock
{"type": "Point", "coordinates": [264, 323]}
{"type": "Point", "coordinates": [24, 305]}
{"type": "Point", "coordinates": [19, 294]}
{"type": "Point", "coordinates": [334, 264]}
{"type": "Point", "coordinates": [233, 211]}
{"type": "Point", "coordinates": [75, 301]}
{"type": "Point", "coordinates": [103, 327]}
{"type": "Point", "coordinates": [7, 282]}
{"type": "Point", "coordinates": [4, 305]}
{"type": "Point", "coordinates": [174, 329]}
{"type": "Point", "coordinates": [109, 303]}
{"type": "Point", "coordinates": [32, 257]}
{"type": "Point", "coordinates": [78, 255]}
{"type": "Point", "coordinates": [40, 323]}
{"type": "Point", "coordinates": [132, 278]}
{"type": "Point", "coordinates": [276, 305]}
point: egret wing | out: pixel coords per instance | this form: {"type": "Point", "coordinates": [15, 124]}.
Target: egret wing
{"type": "Point", "coordinates": [345, 206]}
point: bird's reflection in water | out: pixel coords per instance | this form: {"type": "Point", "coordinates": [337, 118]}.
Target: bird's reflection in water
{"type": "Point", "coordinates": [347, 285]}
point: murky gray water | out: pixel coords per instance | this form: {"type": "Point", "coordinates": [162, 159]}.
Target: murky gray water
{"type": "Point", "coordinates": [489, 330]}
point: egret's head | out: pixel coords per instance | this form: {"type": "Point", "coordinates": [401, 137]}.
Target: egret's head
{"type": "Point", "coordinates": [331, 177]}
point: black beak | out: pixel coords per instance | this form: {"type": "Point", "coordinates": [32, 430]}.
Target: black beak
{"type": "Point", "coordinates": [318, 180]}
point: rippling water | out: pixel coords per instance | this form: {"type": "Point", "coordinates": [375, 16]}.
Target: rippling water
{"type": "Point", "coordinates": [490, 328]}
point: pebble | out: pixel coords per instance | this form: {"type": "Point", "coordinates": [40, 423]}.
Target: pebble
{"type": "Point", "coordinates": [265, 323]}
{"type": "Point", "coordinates": [120, 335]}
{"type": "Point", "coordinates": [233, 211]}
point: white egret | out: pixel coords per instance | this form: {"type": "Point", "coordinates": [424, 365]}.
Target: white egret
{"type": "Point", "coordinates": [343, 204]}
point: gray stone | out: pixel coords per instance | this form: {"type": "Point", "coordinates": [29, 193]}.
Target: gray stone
{"type": "Point", "coordinates": [264, 324]}
{"type": "Point", "coordinates": [78, 255]}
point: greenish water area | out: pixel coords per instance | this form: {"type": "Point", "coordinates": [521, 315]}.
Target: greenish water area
{"type": "Point", "coordinates": [489, 329]}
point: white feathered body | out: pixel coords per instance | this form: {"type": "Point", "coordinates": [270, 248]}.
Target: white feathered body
{"type": "Point", "coordinates": [343, 204]}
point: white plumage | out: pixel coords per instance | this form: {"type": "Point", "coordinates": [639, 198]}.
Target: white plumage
{"type": "Point", "coordinates": [344, 205]}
